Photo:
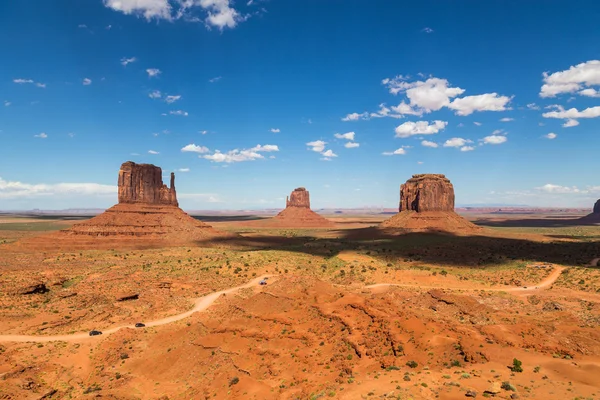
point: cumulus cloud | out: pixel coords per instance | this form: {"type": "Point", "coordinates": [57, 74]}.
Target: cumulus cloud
{"type": "Point", "coordinates": [317, 145]}
{"type": "Point", "coordinates": [195, 149]}
{"type": "Point", "coordinates": [153, 72]}
{"type": "Point", "coordinates": [329, 154]}
{"type": "Point", "coordinates": [571, 115]}
{"type": "Point", "coordinates": [506, 119]}
{"type": "Point", "coordinates": [155, 94]}
{"type": "Point", "coordinates": [351, 145]}
{"type": "Point", "coordinates": [427, 30]}
{"type": "Point", "coordinates": [550, 188]}
{"type": "Point", "coordinates": [41, 135]}
{"type": "Point", "coordinates": [19, 190]}
{"type": "Point", "coordinates": [575, 79]}
{"type": "Point", "coordinates": [153, 152]}
{"type": "Point", "coordinates": [483, 102]}
{"type": "Point", "coordinates": [275, 130]}
{"type": "Point", "coordinates": [125, 60]}
{"type": "Point", "coordinates": [40, 85]}
{"type": "Point", "coordinates": [456, 142]}
{"type": "Point", "coordinates": [400, 151]}
{"type": "Point", "coordinates": [467, 148]}
{"type": "Point", "coordinates": [22, 81]}
{"type": "Point", "coordinates": [419, 128]}
{"type": "Point", "coordinates": [241, 155]}
{"type": "Point", "coordinates": [87, 81]}
{"type": "Point", "coordinates": [494, 139]}
{"type": "Point", "coordinates": [179, 112]}
{"type": "Point", "coordinates": [590, 93]}
{"type": "Point", "coordinates": [533, 106]}
{"type": "Point", "coordinates": [477, 123]}
{"type": "Point", "coordinates": [183, 170]}
{"type": "Point", "coordinates": [172, 99]}
{"type": "Point", "coordinates": [427, 143]}
{"type": "Point", "coordinates": [347, 136]}
{"type": "Point", "coordinates": [355, 116]}
{"type": "Point", "coordinates": [551, 136]}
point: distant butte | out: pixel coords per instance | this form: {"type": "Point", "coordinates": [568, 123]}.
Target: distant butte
{"type": "Point", "coordinates": [427, 204]}
{"type": "Point", "coordinates": [147, 215]}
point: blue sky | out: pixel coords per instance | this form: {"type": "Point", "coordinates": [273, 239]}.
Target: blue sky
{"type": "Point", "coordinates": [347, 98]}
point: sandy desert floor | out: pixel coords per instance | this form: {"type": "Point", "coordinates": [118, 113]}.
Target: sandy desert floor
{"type": "Point", "coordinates": [349, 312]}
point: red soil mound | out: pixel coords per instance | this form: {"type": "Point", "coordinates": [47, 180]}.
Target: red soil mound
{"type": "Point", "coordinates": [430, 221]}
{"type": "Point", "coordinates": [129, 226]}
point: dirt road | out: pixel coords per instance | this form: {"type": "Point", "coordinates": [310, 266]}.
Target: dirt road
{"type": "Point", "coordinates": [200, 304]}
{"type": "Point", "coordinates": [548, 281]}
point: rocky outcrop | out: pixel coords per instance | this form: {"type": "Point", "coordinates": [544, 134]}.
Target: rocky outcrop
{"type": "Point", "coordinates": [299, 198]}
{"type": "Point", "coordinates": [597, 207]}
{"type": "Point", "coordinates": [142, 183]}
{"type": "Point", "coordinates": [427, 192]}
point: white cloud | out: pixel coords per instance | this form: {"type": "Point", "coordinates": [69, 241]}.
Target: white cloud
{"type": "Point", "coordinates": [7, 103]}
{"type": "Point", "coordinates": [477, 123]}
{"type": "Point", "coordinates": [40, 85]}
{"type": "Point", "coordinates": [41, 135]}
{"type": "Point", "coordinates": [550, 188]}
{"type": "Point", "coordinates": [82, 26]}
{"type": "Point", "coordinates": [572, 80]}
{"type": "Point", "coordinates": [203, 132]}
{"type": "Point", "coordinates": [153, 152]}
{"type": "Point", "coordinates": [506, 119]}
{"type": "Point", "coordinates": [215, 79]}
{"type": "Point", "coordinates": [419, 128]}
{"type": "Point", "coordinates": [172, 99]}
{"type": "Point", "coordinates": [155, 94]}
{"type": "Point", "coordinates": [21, 81]}
{"type": "Point", "coordinates": [87, 81]}
{"type": "Point", "coordinates": [467, 148]}
{"type": "Point", "coordinates": [125, 60]}
{"type": "Point", "coordinates": [551, 136]}
{"type": "Point", "coordinates": [18, 190]}
{"type": "Point", "coordinates": [351, 145]}
{"type": "Point", "coordinates": [456, 142]}
{"type": "Point", "coordinates": [427, 143]}
{"type": "Point", "coordinates": [427, 30]}
{"type": "Point", "coordinates": [317, 145]}
{"type": "Point", "coordinates": [71, 134]}
{"type": "Point", "coordinates": [275, 130]}
{"type": "Point", "coordinates": [347, 136]}
{"type": "Point", "coordinates": [570, 123]}
{"type": "Point", "coordinates": [494, 139]}
{"type": "Point", "coordinates": [329, 154]}
{"type": "Point", "coordinates": [400, 151]}
{"type": "Point", "coordinates": [483, 102]}
{"type": "Point", "coordinates": [179, 112]}
{"type": "Point", "coordinates": [108, 27]}
{"type": "Point", "coordinates": [183, 170]}
{"type": "Point", "coordinates": [241, 155]}
{"type": "Point", "coordinates": [572, 114]}
{"type": "Point", "coordinates": [147, 8]}
{"type": "Point", "coordinates": [355, 116]}
{"type": "Point", "coordinates": [153, 72]}
{"type": "Point", "coordinates": [498, 132]}
{"type": "Point", "coordinates": [533, 106]}
{"type": "Point", "coordinates": [195, 149]}
{"type": "Point", "coordinates": [590, 93]}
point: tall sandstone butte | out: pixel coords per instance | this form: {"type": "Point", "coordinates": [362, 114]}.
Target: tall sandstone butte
{"type": "Point", "coordinates": [427, 192]}
{"type": "Point", "coordinates": [142, 183]}
{"type": "Point", "coordinates": [298, 198]}
{"type": "Point", "coordinates": [427, 205]}
{"type": "Point", "coordinates": [597, 207]}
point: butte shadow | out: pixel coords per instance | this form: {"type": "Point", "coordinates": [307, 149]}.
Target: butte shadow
{"type": "Point", "coordinates": [147, 216]}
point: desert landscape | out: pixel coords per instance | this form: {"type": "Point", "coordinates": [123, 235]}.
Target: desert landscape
{"type": "Point", "coordinates": [423, 304]}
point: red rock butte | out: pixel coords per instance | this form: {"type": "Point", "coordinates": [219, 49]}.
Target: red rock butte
{"type": "Point", "coordinates": [597, 208]}
{"type": "Point", "coordinates": [427, 204]}
{"type": "Point", "coordinates": [594, 217]}
{"type": "Point", "coordinates": [297, 213]}
{"type": "Point", "coordinates": [147, 216]}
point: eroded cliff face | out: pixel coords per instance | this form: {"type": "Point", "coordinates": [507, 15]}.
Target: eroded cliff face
{"type": "Point", "coordinates": [142, 183]}
{"type": "Point", "coordinates": [298, 198]}
{"type": "Point", "coordinates": [597, 207]}
{"type": "Point", "coordinates": [427, 192]}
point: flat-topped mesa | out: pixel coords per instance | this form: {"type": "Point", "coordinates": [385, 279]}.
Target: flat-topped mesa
{"type": "Point", "coordinates": [299, 198]}
{"type": "Point", "coordinates": [427, 192]}
{"type": "Point", "coordinates": [597, 208]}
{"type": "Point", "coordinates": [142, 183]}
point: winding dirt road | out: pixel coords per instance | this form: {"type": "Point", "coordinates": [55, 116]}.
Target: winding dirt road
{"type": "Point", "coordinates": [548, 281]}
{"type": "Point", "coordinates": [200, 304]}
